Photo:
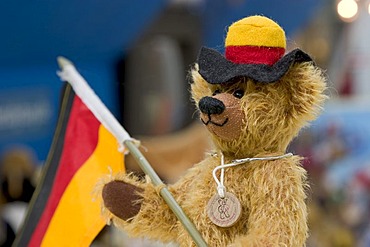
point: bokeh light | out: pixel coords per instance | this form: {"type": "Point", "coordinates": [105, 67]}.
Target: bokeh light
{"type": "Point", "coordinates": [347, 10]}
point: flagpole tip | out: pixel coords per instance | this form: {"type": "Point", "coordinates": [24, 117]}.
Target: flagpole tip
{"type": "Point", "coordinates": [62, 61]}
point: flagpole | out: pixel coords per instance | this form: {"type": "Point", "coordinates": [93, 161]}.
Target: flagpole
{"type": "Point", "coordinates": [87, 95]}
{"type": "Point", "coordinates": [164, 192]}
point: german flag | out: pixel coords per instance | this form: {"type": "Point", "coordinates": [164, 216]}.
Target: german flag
{"type": "Point", "coordinates": [63, 211]}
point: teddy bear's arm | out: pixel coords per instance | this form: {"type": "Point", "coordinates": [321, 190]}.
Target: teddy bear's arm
{"type": "Point", "coordinates": [137, 208]}
{"type": "Point", "coordinates": [277, 208]}
{"type": "Point", "coordinates": [154, 219]}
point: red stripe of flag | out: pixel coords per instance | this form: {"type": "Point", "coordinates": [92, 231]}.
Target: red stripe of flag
{"type": "Point", "coordinates": [80, 141]}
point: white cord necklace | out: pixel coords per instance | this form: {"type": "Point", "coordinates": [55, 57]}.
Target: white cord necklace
{"type": "Point", "coordinates": [221, 189]}
{"type": "Point", "coordinates": [224, 208]}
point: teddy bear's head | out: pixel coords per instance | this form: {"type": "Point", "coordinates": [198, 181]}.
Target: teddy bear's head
{"type": "Point", "coordinates": [256, 99]}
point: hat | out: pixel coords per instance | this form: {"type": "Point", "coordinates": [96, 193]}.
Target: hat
{"type": "Point", "coordinates": [254, 48]}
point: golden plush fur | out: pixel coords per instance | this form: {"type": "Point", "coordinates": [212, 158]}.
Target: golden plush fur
{"type": "Point", "coordinates": [274, 112]}
{"type": "Point", "coordinates": [271, 193]}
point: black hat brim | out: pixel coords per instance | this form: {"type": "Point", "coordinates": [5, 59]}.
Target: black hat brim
{"type": "Point", "coordinates": [216, 69]}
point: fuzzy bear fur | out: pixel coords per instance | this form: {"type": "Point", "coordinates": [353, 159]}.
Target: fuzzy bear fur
{"type": "Point", "coordinates": [272, 193]}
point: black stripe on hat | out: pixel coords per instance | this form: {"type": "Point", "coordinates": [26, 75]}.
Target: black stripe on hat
{"type": "Point", "coordinates": [216, 69]}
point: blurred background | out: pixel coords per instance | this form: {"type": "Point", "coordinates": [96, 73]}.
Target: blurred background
{"type": "Point", "coordinates": [136, 55]}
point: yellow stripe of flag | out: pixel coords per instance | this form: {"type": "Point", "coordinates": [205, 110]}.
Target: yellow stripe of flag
{"type": "Point", "coordinates": [78, 217]}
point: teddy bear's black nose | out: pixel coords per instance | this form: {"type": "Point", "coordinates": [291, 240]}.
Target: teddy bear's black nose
{"type": "Point", "coordinates": [209, 105]}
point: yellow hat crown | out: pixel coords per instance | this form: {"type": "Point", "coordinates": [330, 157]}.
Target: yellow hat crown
{"type": "Point", "coordinates": [256, 31]}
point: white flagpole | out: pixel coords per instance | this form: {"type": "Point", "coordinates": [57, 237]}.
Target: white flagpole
{"type": "Point", "coordinates": [101, 112]}
{"type": "Point", "coordinates": [91, 100]}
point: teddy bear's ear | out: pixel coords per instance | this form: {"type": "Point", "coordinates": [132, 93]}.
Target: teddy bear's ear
{"type": "Point", "coordinates": [306, 84]}
{"type": "Point", "coordinates": [199, 86]}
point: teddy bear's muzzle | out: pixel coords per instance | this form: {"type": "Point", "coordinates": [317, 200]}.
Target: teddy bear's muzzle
{"type": "Point", "coordinates": [212, 109]}
{"type": "Point", "coordinates": [222, 115]}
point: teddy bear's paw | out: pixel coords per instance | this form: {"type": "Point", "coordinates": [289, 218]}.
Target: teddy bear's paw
{"type": "Point", "coordinates": [122, 199]}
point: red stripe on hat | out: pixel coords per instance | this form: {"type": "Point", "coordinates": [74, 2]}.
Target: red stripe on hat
{"type": "Point", "coordinates": [254, 54]}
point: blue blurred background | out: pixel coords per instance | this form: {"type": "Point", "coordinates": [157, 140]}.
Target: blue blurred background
{"type": "Point", "coordinates": [94, 35]}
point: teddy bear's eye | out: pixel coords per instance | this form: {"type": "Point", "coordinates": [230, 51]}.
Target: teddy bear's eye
{"type": "Point", "coordinates": [239, 93]}
{"type": "Point", "coordinates": [217, 91]}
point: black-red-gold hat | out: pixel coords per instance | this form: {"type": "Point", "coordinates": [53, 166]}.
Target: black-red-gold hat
{"type": "Point", "coordinates": [254, 48]}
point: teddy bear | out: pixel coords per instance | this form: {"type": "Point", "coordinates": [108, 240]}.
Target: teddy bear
{"type": "Point", "coordinates": [248, 191]}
